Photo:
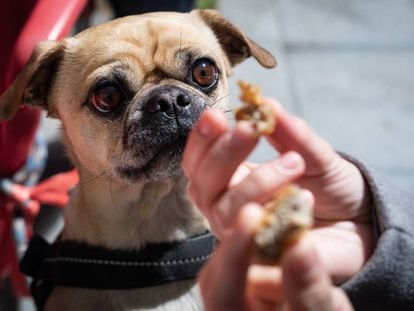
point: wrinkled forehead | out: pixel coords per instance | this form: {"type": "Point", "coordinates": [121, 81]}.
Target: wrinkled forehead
{"type": "Point", "coordinates": [150, 39]}
{"type": "Point", "coordinates": [140, 45]}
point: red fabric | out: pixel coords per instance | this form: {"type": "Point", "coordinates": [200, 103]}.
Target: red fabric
{"type": "Point", "coordinates": [52, 191]}
{"type": "Point", "coordinates": [9, 263]}
{"type": "Point", "coordinates": [15, 141]}
{"type": "Point", "coordinates": [23, 23]}
{"type": "Point", "coordinates": [13, 15]}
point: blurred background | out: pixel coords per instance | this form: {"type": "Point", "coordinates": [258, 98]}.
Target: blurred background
{"type": "Point", "coordinates": [346, 67]}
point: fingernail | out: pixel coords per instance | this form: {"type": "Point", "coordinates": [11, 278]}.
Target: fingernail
{"type": "Point", "coordinates": [290, 161]}
{"type": "Point", "coordinates": [219, 228]}
{"type": "Point", "coordinates": [211, 123]}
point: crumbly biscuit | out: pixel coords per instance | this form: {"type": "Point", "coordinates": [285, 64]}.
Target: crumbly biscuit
{"type": "Point", "coordinates": [253, 109]}
{"type": "Point", "coordinates": [288, 214]}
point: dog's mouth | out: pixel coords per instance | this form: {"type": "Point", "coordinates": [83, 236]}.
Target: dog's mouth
{"type": "Point", "coordinates": [157, 162]}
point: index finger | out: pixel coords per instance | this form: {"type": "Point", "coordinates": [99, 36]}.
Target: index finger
{"type": "Point", "coordinates": [211, 125]}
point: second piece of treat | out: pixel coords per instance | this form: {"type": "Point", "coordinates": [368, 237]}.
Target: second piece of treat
{"type": "Point", "coordinates": [254, 110]}
{"type": "Point", "coordinates": [287, 215]}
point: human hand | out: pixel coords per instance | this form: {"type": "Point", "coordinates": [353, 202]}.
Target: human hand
{"type": "Point", "coordinates": [306, 284]}
{"type": "Point", "coordinates": [220, 183]}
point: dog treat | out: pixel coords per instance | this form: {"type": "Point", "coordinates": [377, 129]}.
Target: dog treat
{"type": "Point", "coordinates": [253, 109]}
{"type": "Point", "coordinates": [288, 214]}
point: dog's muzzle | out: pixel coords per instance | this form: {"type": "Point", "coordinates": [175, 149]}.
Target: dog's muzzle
{"type": "Point", "coordinates": [165, 115]}
{"type": "Point", "coordinates": [157, 130]}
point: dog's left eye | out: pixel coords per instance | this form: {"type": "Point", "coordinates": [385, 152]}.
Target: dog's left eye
{"type": "Point", "coordinates": [205, 73]}
{"type": "Point", "coordinates": [107, 98]}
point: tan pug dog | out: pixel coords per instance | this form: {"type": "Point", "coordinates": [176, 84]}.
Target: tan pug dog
{"type": "Point", "coordinates": [128, 93]}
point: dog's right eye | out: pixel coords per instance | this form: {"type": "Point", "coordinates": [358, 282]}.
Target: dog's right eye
{"type": "Point", "coordinates": [205, 73]}
{"type": "Point", "coordinates": [106, 99]}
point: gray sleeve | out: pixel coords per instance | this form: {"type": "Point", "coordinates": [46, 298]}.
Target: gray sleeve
{"type": "Point", "coordinates": [386, 282]}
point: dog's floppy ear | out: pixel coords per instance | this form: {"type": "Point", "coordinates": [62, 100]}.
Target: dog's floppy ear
{"type": "Point", "coordinates": [32, 84]}
{"type": "Point", "coordinates": [235, 43]}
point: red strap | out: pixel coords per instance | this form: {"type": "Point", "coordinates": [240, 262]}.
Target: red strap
{"type": "Point", "coordinates": [54, 190]}
{"type": "Point", "coordinates": [9, 264]}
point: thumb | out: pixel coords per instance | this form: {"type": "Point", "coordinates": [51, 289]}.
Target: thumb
{"type": "Point", "coordinates": [307, 285]}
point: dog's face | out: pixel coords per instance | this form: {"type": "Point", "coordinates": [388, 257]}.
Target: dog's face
{"type": "Point", "coordinates": [129, 91]}
{"type": "Point", "coordinates": [143, 83]}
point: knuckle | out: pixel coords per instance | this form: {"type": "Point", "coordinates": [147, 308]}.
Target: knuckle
{"type": "Point", "coordinates": [260, 178]}
{"type": "Point", "coordinates": [228, 204]}
{"type": "Point", "coordinates": [234, 199]}
{"type": "Point", "coordinates": [268, 177]}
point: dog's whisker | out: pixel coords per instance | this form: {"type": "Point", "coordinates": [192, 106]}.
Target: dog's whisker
{"type": "Point", "coordinates": [98, 136]}
{"type": "Point", "coordinates": [122, 134]}
{"type": "Point", "coordinates": [88, 136]}
{"type": "Point", "coordinates": [228, 110]}
{"type": "Point", "coordinates": [121, 137]}
{"type": "Point", "coordinates": [112, 194]}
{"type": "Point", "coordinates": [92, 179]}
{"type": "Point", "coordinates": [219, 99]}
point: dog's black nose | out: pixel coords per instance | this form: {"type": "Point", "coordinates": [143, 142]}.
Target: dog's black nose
{"type": "Point", "coordinates": [171, 101]}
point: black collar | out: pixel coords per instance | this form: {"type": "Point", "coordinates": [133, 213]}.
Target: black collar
{"type": "Point", "coordinates": [70, 263]}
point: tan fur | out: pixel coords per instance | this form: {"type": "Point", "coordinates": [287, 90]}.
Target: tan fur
{"type": "Point", "coordinates": [104, 208]}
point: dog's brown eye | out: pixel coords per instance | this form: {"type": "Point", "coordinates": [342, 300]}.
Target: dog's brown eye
{"type": "Point", "coordinates": [107, 98]}
{"type": "Point", "coordinates": [205, 73]}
